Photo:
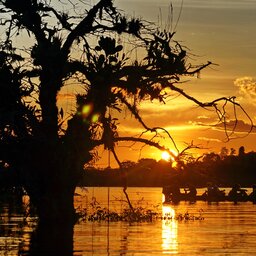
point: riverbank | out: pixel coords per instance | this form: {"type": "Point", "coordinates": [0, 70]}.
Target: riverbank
{"type": "Point", "coordinates": [154, 178]}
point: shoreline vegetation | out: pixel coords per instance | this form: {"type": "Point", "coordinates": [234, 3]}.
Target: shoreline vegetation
{"type": "Point", "coordinates": [224, 169]}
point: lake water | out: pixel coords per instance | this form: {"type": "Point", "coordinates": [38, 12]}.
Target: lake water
{"type": "Point", "coordinates": [227, 228]}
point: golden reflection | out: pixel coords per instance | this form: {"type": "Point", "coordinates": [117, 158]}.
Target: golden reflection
{"type": "Point", "coordinates": [169, 230]}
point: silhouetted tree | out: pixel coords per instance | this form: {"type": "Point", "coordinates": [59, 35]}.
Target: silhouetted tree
{"type": "Point", "coordinates": [241, 151]}
{"type": "Point", "coordinates": [224, 153]}
{"type": "Point", "coordinates": [48, 153]}
{"type": "Point", "coordinates": [232, 152]}
{"type": "Point", "coordinates": [128, 164]}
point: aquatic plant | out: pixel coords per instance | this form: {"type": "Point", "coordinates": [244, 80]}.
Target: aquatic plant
{"type": "Point", "coordinates": [137, 214]}
{"type": "Point", "coordinates": [184, 216]}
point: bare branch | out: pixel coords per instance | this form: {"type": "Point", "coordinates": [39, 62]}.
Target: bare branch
{"type": "Point", "coordinates": [145, 141]}
{"type": "Point", "coordinates": [135, 112]}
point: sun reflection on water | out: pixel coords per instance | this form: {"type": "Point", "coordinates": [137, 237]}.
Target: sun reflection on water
{"type": "Point", "coordinates": [169, 230]}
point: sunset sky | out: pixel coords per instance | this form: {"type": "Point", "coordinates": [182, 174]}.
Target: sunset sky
{"type": "Point", "coordinates": [213, 30]}
{"type": "Point", "coordinates": [222, 32]}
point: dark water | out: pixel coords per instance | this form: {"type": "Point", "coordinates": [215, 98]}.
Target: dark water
{"type": "Point", "coordinates": [227, 229]}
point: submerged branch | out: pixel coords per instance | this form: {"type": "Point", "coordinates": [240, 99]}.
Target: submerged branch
{"type": "Point", "coordinates": [125, 180]}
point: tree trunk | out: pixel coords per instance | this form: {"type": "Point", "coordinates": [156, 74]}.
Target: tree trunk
{"type": "Point", "coordinates": [52, 240]}
{"type": "Point", "coordinates": [53, 199]}
{"type": "Point", "coordinates": [57, 205]}
{"type": "Point", "coordinates": [50, 177]}
{"type": "Point", "coordinates": [52, 195]}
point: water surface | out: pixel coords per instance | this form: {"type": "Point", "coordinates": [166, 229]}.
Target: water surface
{"type": "Point", "coordinates": [227, 228]}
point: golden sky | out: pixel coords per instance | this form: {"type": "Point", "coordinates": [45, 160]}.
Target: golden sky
{"type": "Point", "coordinates": [222, 31]}
{"type": "Point", "coordinates": [216, 30]}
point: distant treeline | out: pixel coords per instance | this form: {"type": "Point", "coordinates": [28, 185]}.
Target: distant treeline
{"type": "Point", "coordinates": [224, 169]}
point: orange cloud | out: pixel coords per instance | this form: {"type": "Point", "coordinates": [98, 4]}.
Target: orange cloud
{"type": "Point", "coordinates": [237, 126]}
{"type": "Point", "coordinates": [209, 139]}
{"type": "Point", "coordinates": [247, 88]}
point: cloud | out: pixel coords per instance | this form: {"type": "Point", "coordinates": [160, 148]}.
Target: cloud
{"type": "Point", "coordinates": [171, 104]}
{"type": "Point", "coordinates": [209, 139]}
{"type": "Point", "coordinates": [247, 88]}
{"type": "Point", "coordinates": [203, 117]}
{"type": "Point", "coordinates": [176, 113]}
{"type": "Point", "coordinates": [237, 126]}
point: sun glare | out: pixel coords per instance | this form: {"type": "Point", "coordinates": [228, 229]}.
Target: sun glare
{"type": "Point", "coordinates": [166, 156]}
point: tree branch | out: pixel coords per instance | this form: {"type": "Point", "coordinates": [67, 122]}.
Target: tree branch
{"type": "Point", "coordinates": [135, 112]}
{"type": "Point", "coordinates": [145, 141]}
{"type": "Point", "coordinates": [85, 26]}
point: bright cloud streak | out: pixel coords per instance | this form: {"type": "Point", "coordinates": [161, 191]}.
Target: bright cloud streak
{"type": "Point", "coordinates": [247, 88]}
{"type": "Point", "coordinates": [209, 139]}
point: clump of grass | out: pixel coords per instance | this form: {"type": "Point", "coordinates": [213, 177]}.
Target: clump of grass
{"type": "Point", "coordinates": [138, 214]}
{"type": "Point", "coordinates": [186, 216]}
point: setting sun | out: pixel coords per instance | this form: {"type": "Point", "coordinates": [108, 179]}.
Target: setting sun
{"type": "Point", "coordinates": [166, 156]}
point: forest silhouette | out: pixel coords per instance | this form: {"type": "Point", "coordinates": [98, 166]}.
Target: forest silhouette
{"type": "Point", "coordinates": [224, 169]}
